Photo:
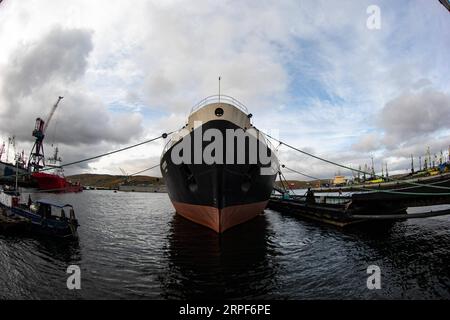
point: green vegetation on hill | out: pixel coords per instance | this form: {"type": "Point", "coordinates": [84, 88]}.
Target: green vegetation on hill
{"type": "Point", "coordinates": [112, 181]}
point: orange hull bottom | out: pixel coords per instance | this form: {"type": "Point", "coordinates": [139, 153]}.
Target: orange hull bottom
{"type": "Point", "coordinates": [219, 219]}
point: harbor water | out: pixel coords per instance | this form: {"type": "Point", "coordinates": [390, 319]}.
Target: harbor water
{"type": "Point", "coordinates": [133, 246]}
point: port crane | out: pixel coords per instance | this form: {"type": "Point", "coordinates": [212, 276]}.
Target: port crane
{"type": "Point", "coordinates": [37, 158]}
{"type": "Point", "coordinates": [126, 175]}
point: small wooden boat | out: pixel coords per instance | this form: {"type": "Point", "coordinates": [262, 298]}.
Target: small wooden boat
{"type": "Point", "coordinates": [42, 216]}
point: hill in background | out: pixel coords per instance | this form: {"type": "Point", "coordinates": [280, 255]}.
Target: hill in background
{"type": "Point", "coordinates": [112, 181]}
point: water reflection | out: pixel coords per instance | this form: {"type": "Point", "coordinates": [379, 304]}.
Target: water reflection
{"type": "Point", "coordinates": [205, 265]}
{"type": "Point", "coordinates": [413, 256]}
{"type": "Point", "coordinates": [31, 262]}
{"type": "Point", "coordinates": [132, 246]}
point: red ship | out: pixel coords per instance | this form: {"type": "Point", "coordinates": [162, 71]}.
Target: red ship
{"type": "Point", "coordinates": [54, 183]}
{"type": "Point", "coordinates": [52, 179]}
{"type": "Point", "coordinates": [49, 177]}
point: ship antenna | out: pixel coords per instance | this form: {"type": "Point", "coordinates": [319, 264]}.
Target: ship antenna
{"type": "Point", "coordinates": [220, 78]}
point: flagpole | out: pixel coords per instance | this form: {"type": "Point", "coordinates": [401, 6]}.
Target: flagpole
{"type": "Point", "coordinates": [219, 88]}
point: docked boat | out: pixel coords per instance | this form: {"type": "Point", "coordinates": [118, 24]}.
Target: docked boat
{"type": "Point", "coordinates": [50, 182]}
{"type": "Point", "coordinates": [48, 175]}
{"type": "Point", "coordinates": [52, 179]}
{"type": "Point", "coordinates": [8, 170]}
{"type": "Point", "coordinates": [219, 169]}
{"type": "Point", "coordinates": [42, 216]}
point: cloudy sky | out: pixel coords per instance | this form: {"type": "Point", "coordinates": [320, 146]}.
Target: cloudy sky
{"type": "Point", "coordinates": [313, 70]}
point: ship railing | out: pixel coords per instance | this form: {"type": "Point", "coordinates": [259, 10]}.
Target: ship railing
{"type": "Point", "coordinates": [166, 147]}
{"type": "Point", "coordinates": [218, 99]}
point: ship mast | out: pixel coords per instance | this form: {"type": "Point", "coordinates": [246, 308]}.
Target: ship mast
{"type": "Point", "coordinates": [17, 173]}
{"type": "Point", "coordinates": [220, 78]}
{"type": "Point", "coordinates": [13, 142]}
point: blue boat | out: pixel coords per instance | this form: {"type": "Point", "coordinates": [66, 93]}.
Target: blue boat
{"type": "Point", "coordinates": [43, 216]}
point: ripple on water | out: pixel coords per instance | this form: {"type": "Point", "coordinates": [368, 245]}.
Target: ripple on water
{"type": "Point", "coordinates": [132, 245]}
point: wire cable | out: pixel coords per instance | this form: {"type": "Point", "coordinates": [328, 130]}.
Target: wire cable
{"type": "Point", "coordinates": [350, 168]}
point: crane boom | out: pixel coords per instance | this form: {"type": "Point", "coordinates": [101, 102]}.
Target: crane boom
{"type": "Point", "coordinates": [36, 160]}
{"type": "Point", "coordinates": [52, 112]}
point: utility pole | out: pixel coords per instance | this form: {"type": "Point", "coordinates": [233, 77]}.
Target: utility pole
{"type": "Point", "coordinates": [387, 173]}
{"type": "Point", "coordinates": [17, 172]}
{"type": "Point", "coordinates": [412, 164]}
{"type": "Point", "coordinates": [420, 163]}
{"type": "Point", "coordinates": [429, 156]}
{"type": "Point", "coordinates": [373, 168]}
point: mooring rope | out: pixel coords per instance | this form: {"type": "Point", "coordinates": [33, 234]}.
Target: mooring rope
{"type": "Point", "coordinates": [300, 173]}
{"type": "Point", "coordinates": [163, 136]}
{"type": "Point", "coordinates": [142, 171]}
{"type": "Point", "coordinates": [391, 191]}
{"type": "Point", "coordinates": [396, 191]}
{"type": "Point", "coordinates": [282, 175]}
{"type": "Point", "coordinates": [350, 168]}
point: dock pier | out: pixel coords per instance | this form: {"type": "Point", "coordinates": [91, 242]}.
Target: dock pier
{"type": "Point", "coordinates": [344, 211]}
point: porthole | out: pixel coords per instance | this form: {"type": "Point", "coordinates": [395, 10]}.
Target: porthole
{"type": "Point", "coordinates": [219, 112]}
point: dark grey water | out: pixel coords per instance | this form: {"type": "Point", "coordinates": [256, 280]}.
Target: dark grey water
{"type": "Point", "coordinates": [133, 246]}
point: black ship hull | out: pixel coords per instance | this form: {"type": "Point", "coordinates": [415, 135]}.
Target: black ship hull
{"type": "Point", "coordinates": [219, 195]}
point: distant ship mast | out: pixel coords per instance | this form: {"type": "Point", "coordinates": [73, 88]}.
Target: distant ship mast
{"type": "Point", "coordinates": [2, 150]}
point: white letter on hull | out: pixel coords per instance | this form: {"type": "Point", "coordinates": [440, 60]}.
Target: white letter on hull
{"type": "Point", "coordinates": [240, 136]}
{"type": "Point", "coordinates": [198, 142]}
{"type": "Point", "coordinates": [215, 147]}
{"type": "Point", "coordinates": [183, 147]}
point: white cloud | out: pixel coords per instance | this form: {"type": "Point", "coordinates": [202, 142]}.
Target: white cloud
{"type": "Point", "coordinates": [367, 143]}
{"type": "Point", "coordinates": [134, 71]}
{"type": "Point", "coordinates": [415, 115]}
{"type": "Point", "coordinates": [55, 65]}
